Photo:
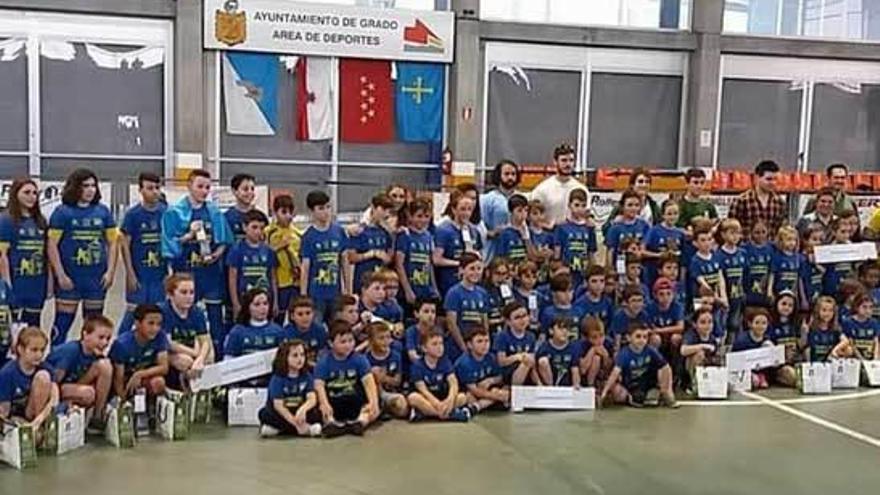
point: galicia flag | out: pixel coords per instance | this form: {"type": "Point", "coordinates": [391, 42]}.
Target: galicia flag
{"type": "Point", "coordinates": [250, 90]}
{"type": "Point", "coordinates": [420, 102]}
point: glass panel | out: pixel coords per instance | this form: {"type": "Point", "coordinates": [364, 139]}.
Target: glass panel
{"type": "Point", "coordinates": [13, 166]}
{"type": "Point", "coordinates": [845, 127]}
{"type": "Point", "coordinates": [847, 19]}
{"type": "Point", "coordinates": [359, 184]}
{"type": "Point", "coordinates": [759, 120]}
{"type": "Point", "coordinates": [102, 99]}
{"type": "Point", "coordinates": [13, 95]}
{"type": "Point", "coordinates": [670, 14]}
{"type": "Point", "coordinates": [522, 101]}
{"type": "Point", "coordinates": [648, 107]}
{"type": "Point", "coordinates": [297, 179]}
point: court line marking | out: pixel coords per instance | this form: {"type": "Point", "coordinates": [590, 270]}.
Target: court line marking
{"type": "Point", "coordinates": [815, 419]}
{"type": "Point", "coordinates": [796, 401]}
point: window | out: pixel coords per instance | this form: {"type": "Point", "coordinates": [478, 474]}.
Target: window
{"type": "Point", "coordinates": [759, 120]}
{"type": "Point", "coordinates": [523, 100]}
{"type": "Point", "coordinates": [652, 14]}
{"type": "Point", "coordinates": [845, 126]}
{"type": "Point", "coordinates": [634, 120]}
{"type": "Point", "coordinates": [845, 19]}
{"type": "Point", "coordinates": [13, 107]}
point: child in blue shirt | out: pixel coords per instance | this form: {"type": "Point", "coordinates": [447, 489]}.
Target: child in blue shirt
{"type": "Point", "coordinates": [82, 250]}
{"type": "Point", "coordinates": [705, 269]}
{"type": "Point", "coordinates": [244, 190]}
{"type": "Point", "coordinates": [425, 312]}
{"type": "Point", "coordinates": [733, 266]}
{"type": "Point", "coordinates": [594, 301]}
{"type": "Point", "coordinates": [371, 249]}
{"type": "Point", "coordinates": [140, 357]}
{"type": "Point", "coordinates": [595, 352]}
{"type": "Point", "coordinates": [576, 237]}
{"type": "Point", "coordinates": [290, 406]}
{"type": "Point", "coordinates": [413, 250]}
{"type": "Point", "coordinates": [386, 365]}
{"type": "Point", "coordinates": [23, 254]}
{"type": "Point", "coordinates": [666, 317]}
{"type": "Point", "coordinates": [186, 326]}
{"type": "Point", "coordinates": [26, 387]}
{"type": "Point", "coordinates": [526, 294]}
{"type": "Point", "coordinates": [759, 254]}
{"type": "Point", "coordinates": [436, 393]}
{"type": "Point", "coordinates": [543, 239]}
{"type": "Point", "coordinates": [454, 238]}
{"type": "Point", "coordinates": [561, 307]}
{"type": "Point", "coordinates": [302, 326]}
{"type": "Point", "coordinates": [322, 252]}
{"type": "Point", "coordinates": [499, 288]}
{"type": "Point", "coordinates": [141, 248]}
{"type": "Point", "coordinates": [664, 237]}
{"type": "Point", "coordinates": [632, 311]}
{"type": "Point", "coordinates": [347, 391]}
{"type": "Point", "coordinates": [862, 329]}
{"type": "Point", "coordinates": [783, 331]}
{"type": "Point", "coordinates": [480, 375]}
{"type": "Point", "coordinates": [812, 273]}
{"type": "Point", "coordinates": [466, 304]}
{"type": "Point", "coordinates": [390, 310]}
{"type": "Point", "coordinates": [251, 262]}
{"type": "Point", "coordinates": [632, 274]}
{"type": "Point", "coordinates": [836, 272]}
{"type": "Point", "coordinates": [514, 242]}
{"type": "Point", "coordinates": [255, 330]}
{"type": "Point", "coordinates": [629, 227]}
{"type": "Point", "coordinates": [824, 339]}
{"type": "Point", "coordinates": [81, 369]}
{"type": "Point", "coordinates": [641, 376]}
{"type": "Point", "coordinates": [700, 345]}
{"type": "Point", "coordinates": [757, 321]}
{"type": "Point", "coordinates": [785, 265]}
{"type": "Point", "coordinates": [515, 346]}
{"type": "Point", "coordinates": [557, 357]}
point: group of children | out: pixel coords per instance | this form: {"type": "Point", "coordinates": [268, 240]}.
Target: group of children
{"type": "Point", "coordinates": [399, 317]}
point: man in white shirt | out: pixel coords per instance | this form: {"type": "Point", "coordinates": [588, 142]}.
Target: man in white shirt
{"type": "Point", "coordinates": [553, 191]}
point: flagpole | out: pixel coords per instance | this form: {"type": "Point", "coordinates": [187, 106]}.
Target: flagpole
{"type": "Point", "coordinates": [334, 157]}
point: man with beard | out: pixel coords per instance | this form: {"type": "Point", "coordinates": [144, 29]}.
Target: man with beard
{"type": "Point", "coordinates": [553, 191]}
{"type": "Point", "coordinates": [493, 204]}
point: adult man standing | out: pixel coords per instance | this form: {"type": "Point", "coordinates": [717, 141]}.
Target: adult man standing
{"type": "Point", "coordinates": [761, 203]}
{"type": "Point", "coordinates": [553, 191]}
{"type": "Point", "coordinates": [837, 174]}
{"type": "Point", "coordinates": [493, 204]}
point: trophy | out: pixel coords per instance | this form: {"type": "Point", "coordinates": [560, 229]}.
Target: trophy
{"type": "Point", "coordinates": [204, 242]}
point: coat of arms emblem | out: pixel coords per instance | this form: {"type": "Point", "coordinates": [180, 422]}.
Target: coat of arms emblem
{"type": "Point", "coordinates": [230, 24]}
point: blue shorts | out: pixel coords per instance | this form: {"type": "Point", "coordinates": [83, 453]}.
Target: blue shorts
{"type": "Point", "coordinates": [29, 292]}
{"type": "Point", "coordinates": [209, 283]}
{"type": "Point", "coordinates": [148, 292]}
{"type": "Point", "coordinates": [84, 289]}
{"type": "Point", "coordinates": [285, 296]}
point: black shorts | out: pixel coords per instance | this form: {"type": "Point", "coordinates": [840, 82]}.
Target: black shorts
{"type": "Point", "coordinates": [348, 407]}
{"type": "Point", "coordinates": [269, 416]}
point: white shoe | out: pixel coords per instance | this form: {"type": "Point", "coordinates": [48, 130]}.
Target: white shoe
{"type": "Point", "coordinates": [315, 430]}
{"type": "Point", "coordinates": [267, 431]}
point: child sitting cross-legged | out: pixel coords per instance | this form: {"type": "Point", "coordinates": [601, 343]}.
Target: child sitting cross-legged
{"type": "Point", "coordinates": [290, 408]}
{"type": "Point", "coordinates": [386, 365]}
{"type": "Point", "coordinates": [436, 392]}
{"type": "Point", "coordinates": [641, 376]}
{"type": "Point", "coordinates": [478, 372]}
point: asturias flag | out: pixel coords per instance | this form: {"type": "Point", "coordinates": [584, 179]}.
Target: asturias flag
{"type": "Point", "coordinates": [250, 90]}
{"type": "Point", "coordinates": [420, 102]}
{"type": "Point", "coordinates": [367, 101]}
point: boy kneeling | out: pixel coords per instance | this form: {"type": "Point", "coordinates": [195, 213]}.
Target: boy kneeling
{"type": "Point", "coordinates": [641, 370]}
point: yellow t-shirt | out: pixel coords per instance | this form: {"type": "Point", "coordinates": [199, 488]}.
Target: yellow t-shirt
{"type": "Point", "coordinates": [287, 271]}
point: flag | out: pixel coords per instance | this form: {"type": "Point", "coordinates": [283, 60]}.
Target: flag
{"type": "Point", "coordinates": [367, 101]}
{"type": "Point", "coordinates": [420, 102]}
{"type": "Point", "coordinates": [314, 120]}
{"type": "Point", "coordinates": [250, 90]}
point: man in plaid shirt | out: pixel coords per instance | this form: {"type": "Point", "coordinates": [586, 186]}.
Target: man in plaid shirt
{"type": "Point", "coordinates": [761, 203]}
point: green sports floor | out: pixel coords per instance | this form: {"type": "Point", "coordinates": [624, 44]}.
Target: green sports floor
{"type": "Point", "coordinates": [778, 442]}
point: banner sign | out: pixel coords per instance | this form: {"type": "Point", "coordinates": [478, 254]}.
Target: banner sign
{"type": "Point", "coordinates": [277, 26]}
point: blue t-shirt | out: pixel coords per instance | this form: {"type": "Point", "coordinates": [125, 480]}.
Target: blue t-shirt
{"type": "Point", "coordinates": [601, 309]}
{"type": "Point", "coordinates": [470, 371]}
{"type": "Point", "coordinates": [621, 322]}
{"type": "Point", "coordinates": [371, 238]}
{"type": "Point", "coordinates": [315, 337]}
{"type": "Point", "coordinates": [470, 305]}
{"type": "Point", "coordinates": [324, 250]}
{"type": "Point", "coordinates": [26, 244]}
{"type": "Point", "coordinates": [812, 276]}
{"type": "Point", "coordinates": [83, 234]}
{"type": "Point", "coordinates": [392, 362]}
{"type": "Point", "coordinates": [435, 379]}
{"type": "Point", "coordinates": [342, 377]}
{"type": "Point", "coordinates": [758, 271]}
{"type": "Point", "coordinates": [661, 238]}
{"type": "Point", "coordinates": [255, 265]}
{"type": "Point", "coordinates": [417, 248]}
{"type": "Point", "coordinates": [183, 330]}
{"type": "Point", "coordinates": [248, 339]}
{"type": "Point", "coordinates": [511, 245]}
{"type": "Point", "coordinates": [448, 237]}
{"type": "Point", "coordinates": [133, 356]}
{"type": "Point", "coordinates": [508, 343]}
{"type": "Point", "coordinates": [562, 360]}
{"type": "Point", "coordinates": [821, 343]}
{"type": "Point", "coordinates": [15, 385]}
{"type": "Point", "coordinates": [144, 228]}
{"type": "Point", "coordinates": [786, 270]}
{"type": "Point", "coordinates": [293, 390]}
{"type": "Point", "coordinates": [745, 341]}
{"type": "Point", "coordinates": [638, 369]}
{"type": "Point", "coordinates": [834, 274]}
{"type": "Point", "coordinates": [389, 311]}
{"type": "Point", "coordinates": [542, 239]}
{"type": "Point", "coordinates": [72, 359]}
{"type": "Point", "coordinates": [621, 231]}
{"type": "Point", "coordinates": [784, 333]}
{"type": "Point", "coordinates": [191, 258]}
{"type": "Point", "coordinates": [577, 243]}
{"type": "Point", "coordinates": [862, 334]}
{"type": "Point", "coordinates": [734, 266]}
{"type": "Point", "coordinates": [709, 269]}
{"type": "Point", "coordinates": [574, 314]}
{"type": "Point", "coordinates": [659, 317]}
{"type": "Point", "coordinates": [692, 337]}
{"type": "Point", "coordinates": [235, 218]}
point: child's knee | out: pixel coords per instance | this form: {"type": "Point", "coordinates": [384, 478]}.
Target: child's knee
{"type": "Point", "coordinates": [412, 398]}
{"type": "Point", "coordinates": [104, 368]}
{"type": "Point", "coordinates": [460, 399]}
{"type": "Point", "coordinates": [157, 385]}
{"type": "Point", "coordinates": [675, 341]}
{"type": "Point", "coordinates": [42, 379]}
{"type": "Point", "coordinates": [655, 340]}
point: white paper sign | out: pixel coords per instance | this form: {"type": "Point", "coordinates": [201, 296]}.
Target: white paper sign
{"type": "Point", "coordinates": [872, 371]}
{"type": "Point", "coordinates": [712, 382]}
{"type": "Point", "coordinates": [740, 380]}
{"type": "Point", "coordinates": [815, 378]}
{"type": "Point", "coordinates": [756, 359]}
{"type": "Point", "coordinates": [244, 406]}
{"type": "Point", "coordinates": [838, 253]}
{"type": "Point", "coordinates": [280, 26]}
{"type": "Point", "coordinates": [234, 370]}
{"type": "Point", "coordinates": [845, 373]}
{"type": "Point", "coordinates": [559, 398]}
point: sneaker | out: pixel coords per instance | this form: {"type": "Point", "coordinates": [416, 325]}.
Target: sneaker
{"type": "Point", "coordinates": [333, 430]}
{"type": "Point", "coordinates": [462, 414]}
{"type": "Point", "coordinates": [267, 431]}
{"type": "Point", "coordinates": [473, 409]}
{"type": "Point", "coordinates": [668, 400]}
{"type": "Point", "coordinates": [415, 416]}
{"type": "Point", "coordinates": [356, 428]}
{"type": "Point", "coordinates": [315, 430]}
{"type": "Point", "coordinates": [636, 399]}
{"type": "Point", "coordinates": [96, 426]}
{"type": "Point", "coordinates": [652, 398]}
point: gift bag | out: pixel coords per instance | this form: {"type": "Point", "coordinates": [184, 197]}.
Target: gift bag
{"type": "Point", "coordinates": [739, 380]}
{"type": "Point", "coordinates": [65, 432]}
{"type": "Point", "coordinates": [244, 406]}
{"type": "Point", "coordinates": [845, 373]}
{"type": "Point", "coordinates": [814, 378]}
{"type": "Point", "coordinates": [172, 415]}
{"type": "Point", "coordinates": [200, 407]}
{"type": "Point", "coordinates": [872, 372]}
{"type": "Point", "coordinates": [119, 430]}
{"type": "Point", "coordinates": [17, 445]}
{"type": "Point", "coordinates": [712, 382]}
